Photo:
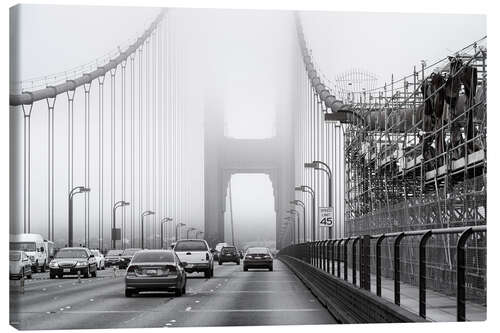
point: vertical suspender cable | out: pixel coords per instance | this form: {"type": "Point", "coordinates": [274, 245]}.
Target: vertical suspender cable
{"type": "Point", "coordinates": [101, 197]}
{"type": "Point", "coordinates": [50, 223]}
{"type": "Point", "coordinates": [27, 166]}
{"type": "Point", "coordinates": [132, 149]}
{"type": "Point", "coordinates": [148, 132]}
{"type": "Point", "coordinates": [154, 123]}
{"type": "Point", "coordinates": [113, 106]}
{"type": "Point", "coordinates": [71, 98]}
{"type": "Point", "coordinates": [123, 196]}
{"type": "Point", "coordinates": [140, 131]}
{"type": "Point", "coordinates": [87, 160]}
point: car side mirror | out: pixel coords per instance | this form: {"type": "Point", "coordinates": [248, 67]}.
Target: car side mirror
{"type": "Point", "coordinates": [212, 250]}
{"type": "Point", "coordinates": [42, 249]}
{"type": "Point", "coordinates": [25, 259]}
{"type": "Point", "coordinates": [91, 256]}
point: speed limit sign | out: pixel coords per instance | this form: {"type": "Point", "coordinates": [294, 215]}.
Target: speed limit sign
{"type": "Point", "coordinates": [326, 216]}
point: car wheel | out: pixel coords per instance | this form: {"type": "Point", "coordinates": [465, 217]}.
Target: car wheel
{"type": "Point", "coordinates": [271, 268]}
{"type": "Point", "coordinates": [245, 268]}
{"type": "Point", "coordinates": [94, 273]}
{"type": "Point", "coordinates": [220, 262]}
{"type": "Point", "coordinates": [42, 269]}
{"type": "Point", "coordinates": [178, 292]}
{"type": "Point", "coordinates": [238, 262]}
{"type": "Point", "coordinates": [86, 273]}
{"type": "Point", "coordinates": [128, 293]}
{"type": "Point", "coordinates": [184, 289]}
{"type": "Point", "coordinates": [60, 276]}
{"type": "Point", "coordinates": [207, 274]}
{"type": "Point", "coordinates": [52, 275]}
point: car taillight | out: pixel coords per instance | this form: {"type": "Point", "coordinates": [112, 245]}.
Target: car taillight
{"type": "Point", "coordinates": [207, 256]}
{"type": "Point", "coordinates": [248, 256]}
{"type": "Point", "coordinates": [131, 271]}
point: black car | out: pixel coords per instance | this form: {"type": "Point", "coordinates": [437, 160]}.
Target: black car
{"type": "Point", "coordinates": [258, 257]}
{"type": "Point", "coordinates": [155, 270]}
{"type": "Point", "coordinates": [112, 258]}
{"type": "Point", "coordinates": [71, 261]}
{"type": "Point", "coordinates": [229, 254]}
{"type": "Point", "coordinates": [126, 257]}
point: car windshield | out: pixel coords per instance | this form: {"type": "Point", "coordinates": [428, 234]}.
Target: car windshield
{"type": "Point", "coordinates": [114, 253]}
{"type": "Point", "coordinates": [14, 256]}
{"type": "Point", "coordinates": [258, 250]}
{"type": "Point", "coordinates": [228, 249]}
{"type": "Point", "coordinates": [156, 256]}
{"type": "Point", "coordinates": [23, 246]}
{"type": "Point", "coordinates": [130, 252]}
{"type": "Point", "coordinates": [71, 253]}
{"type": "Point", "coordinates": [191, 246]}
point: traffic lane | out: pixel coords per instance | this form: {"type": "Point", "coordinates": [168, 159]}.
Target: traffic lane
{"type": "Point", "coordinates": [168, 314]}
{"type": "Point", "coordinates": [88, 305]}
{"type": "Point", "coordinates": [235, 298]}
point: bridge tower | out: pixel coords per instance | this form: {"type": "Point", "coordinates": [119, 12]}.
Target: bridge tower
{"type": "Point", "coordinates": [226, 156]}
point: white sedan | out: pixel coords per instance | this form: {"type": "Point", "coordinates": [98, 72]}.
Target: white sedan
{"type": "Point", "coordinates": [99, 258]}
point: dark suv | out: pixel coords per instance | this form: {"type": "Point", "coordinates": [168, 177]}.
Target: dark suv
{"type": "Point", "coordinates": [126, 257]}
{"type": "Point", "coordinates": [229, 254]}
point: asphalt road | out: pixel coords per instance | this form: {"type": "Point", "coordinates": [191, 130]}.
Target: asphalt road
{"type": "Point", "coordinates": [231, 298]}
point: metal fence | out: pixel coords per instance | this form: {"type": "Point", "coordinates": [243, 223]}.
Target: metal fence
{"type": "Point", "coordinates": [451, 261]}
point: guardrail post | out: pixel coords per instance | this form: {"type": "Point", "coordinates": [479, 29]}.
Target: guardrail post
{"type": "Point", "coordinates": [397, 270]}
{"type": "Point", "coordinates": [328, 256]}
{"type": "Point", "coordinates": [323, 247]}
{"type": "Point", "coordinates": [461, 264]}
{"type": "Point", "coordinates": [354, 275]}
{"type": "Point", "coordinates": [333, 256]}
{"type": "Point", "coordinates": [422, 272]}
{"type": "Point", "coordinates": [338, 257]}
{"type": "Point", "coordinates": [345, 258]}
{"type": "Point", "coordinates": [378, 271]}
{"type": "Point", "coordinates": [364, 258]}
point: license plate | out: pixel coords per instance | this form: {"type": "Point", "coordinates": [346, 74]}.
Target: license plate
{"type": "Point", "coordinates": [228, 255]}
{"type": "Point", "coordinates": [66, 270]}
{"type": "Point", "coordinates": [258, 258]}
{"type": "Point", "coordinates": [151, 272]}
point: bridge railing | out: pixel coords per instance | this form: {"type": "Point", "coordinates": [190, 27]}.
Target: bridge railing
{"type": "Point", "coordinates": [332, 256]}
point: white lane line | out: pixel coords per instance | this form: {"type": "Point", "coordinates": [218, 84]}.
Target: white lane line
{"type": "Point", "coordinates": [91, 299]}
{"type": "Point", "coordinates": [197, 301]}
{"type": "Point", "coordinates": [173, 321]}
{"type": "Point", "coordinates": [188, 309]}
{"type": "Point", "coordinates": [258, 310]}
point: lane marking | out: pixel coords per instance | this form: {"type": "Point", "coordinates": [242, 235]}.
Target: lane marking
{"type": "Point", "coordinates": [173, 321]}
{"type": "Point", "coordinates": [197, 301]}
{"type": "Point", "coordinates": [258, 310]}
{"type": "Point", "coordinates": [188, 309]}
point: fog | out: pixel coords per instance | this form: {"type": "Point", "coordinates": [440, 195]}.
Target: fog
{"type": "Point", "coordinates": [243, 58]}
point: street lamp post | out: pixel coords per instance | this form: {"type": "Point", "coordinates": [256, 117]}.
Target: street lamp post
{"type": "Point", "coordinates": [187, 233]}
{"type": "Point", "coordinates": [162, 222]}
{"type": "Point", "coordinates": [146, 213]}
{"type": "Point", "coordinates": [75, 190]}
{"type": "Point", "coordinates": [177, 230]}
{"type": "Point", "coordinates": [284, 229]}
{"type": "Point", "coordinates": [295, 212]}
{"type": "Point", "coordinates": [317, 165]}
{"type": "Point", "coordinates": [113, 237]}
{"type": "Point", "coordinates": [303, 205]}
{"type": "Point", "coordinates": [308, 189]}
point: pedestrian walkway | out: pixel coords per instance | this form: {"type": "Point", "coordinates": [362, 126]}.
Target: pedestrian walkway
{"type": "Point", "coordinates": [440, 307]}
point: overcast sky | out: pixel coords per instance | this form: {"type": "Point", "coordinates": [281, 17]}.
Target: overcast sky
{"type": "Point", "coordinates": [244, 56]}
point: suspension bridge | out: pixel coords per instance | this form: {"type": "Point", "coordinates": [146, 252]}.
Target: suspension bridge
{"type": "Point", "coordinates": [402, 168]}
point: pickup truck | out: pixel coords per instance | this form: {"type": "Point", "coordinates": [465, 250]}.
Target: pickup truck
{"type": "Point", "coordinates": [196, 253]}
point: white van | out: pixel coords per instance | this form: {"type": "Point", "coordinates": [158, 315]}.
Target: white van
{"type": "Point", "coordinates": [34, 246]}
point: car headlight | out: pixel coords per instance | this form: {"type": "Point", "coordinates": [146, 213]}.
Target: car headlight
{"type": "Point", "coordinates": [54, 265]}
{"type": "Point", "coordinates": [32, 258]}
{"type": "Point", "coordinates": [81, 263]}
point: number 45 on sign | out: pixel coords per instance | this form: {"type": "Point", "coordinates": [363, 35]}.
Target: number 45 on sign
{"type": "Point", "coordinates": [326, 216]}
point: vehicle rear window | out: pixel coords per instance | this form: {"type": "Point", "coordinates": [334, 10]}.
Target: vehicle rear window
{"type": "Point", "coordinates": [228, 249]}
{"type": "Point", "coordinates": [258, 250]}
{"type": "Point", "coordinates": [153, 257]}
{"type": "Point", "coordinates": [114, 253]}
{"type": "Point", "coordinates": [70, 253]}
{"type": "Point", "coordinates": [191, 245]}
{"type": "Point", "coordinates": [130, 252]}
